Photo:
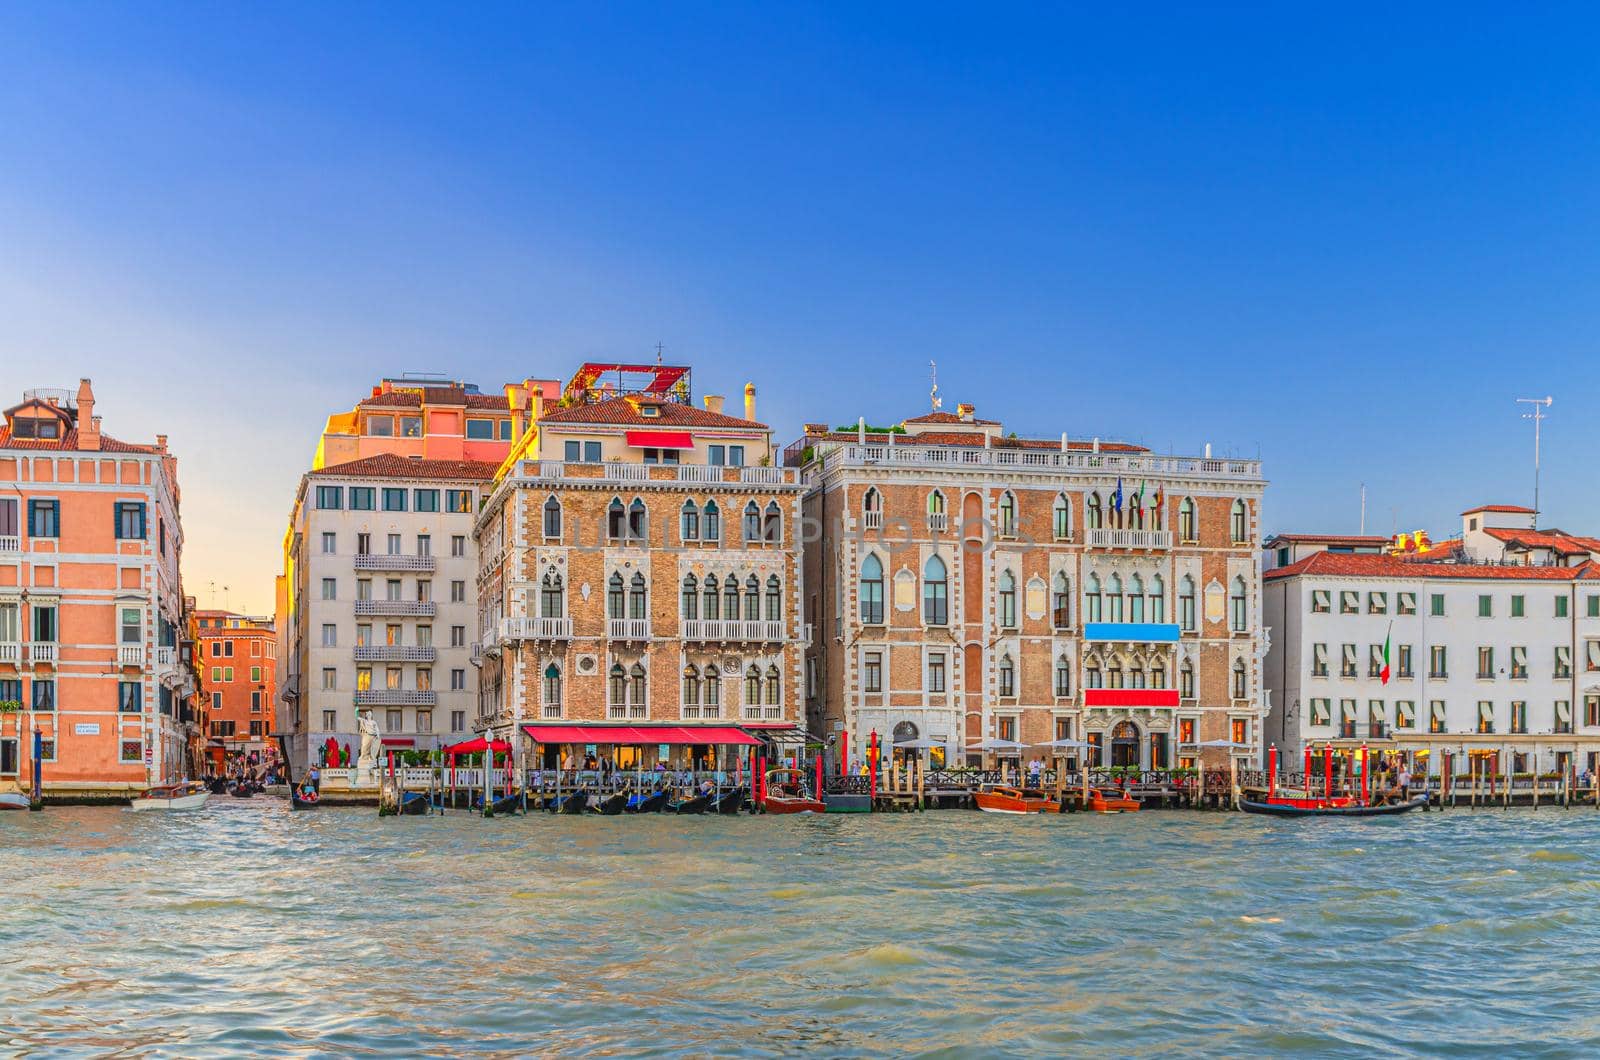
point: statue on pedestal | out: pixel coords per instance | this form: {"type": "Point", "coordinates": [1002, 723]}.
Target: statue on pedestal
{"type": "Point", "coordinates": [367, 761]}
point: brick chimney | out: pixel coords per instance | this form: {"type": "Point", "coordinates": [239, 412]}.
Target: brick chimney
{"type": "Point", "coordinates": [965, 411]}
{"type": "Point", "coordinates": [750, 402]}
{"type": "Point", "coordinates": [88, 422]}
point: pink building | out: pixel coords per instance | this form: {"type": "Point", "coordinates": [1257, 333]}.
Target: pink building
{"type": "Point", "coordinates": [91, 606]}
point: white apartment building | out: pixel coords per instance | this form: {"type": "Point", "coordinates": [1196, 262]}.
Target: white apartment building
{"type": "Point", "coordinates": [382, 603]}
{"type": "Point", "coordinates": [1495, 645]}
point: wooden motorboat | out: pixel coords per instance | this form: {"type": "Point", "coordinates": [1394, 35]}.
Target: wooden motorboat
{"type": "Point", "coordinates": [728, 802]}
{"type": "Point", "coordinates": [1002, 799]}
{"type": "Point", "coordinates": [649, 802]}
{"type": "Point", "coordinates": [1292, 807]}
{"type": "Point", "coordinates": [787, 792]}
{"type": "Point", "coordinates": [612, 805]}
{"type": "Point", "coordinates": [186, 796]}
{"type": "Point", "coordinates": [694, 804]}
{"type": "Point", "coordinates": [13, 800]}
{"type": "Point", "coordinates": [1102, 801]}
{"type": "Point", "coordinates": [506, 804]}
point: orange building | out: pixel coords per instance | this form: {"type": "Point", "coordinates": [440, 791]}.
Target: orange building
{"type": "Point", "coordinates": [91, 606]}
{"type": "Point", "coordinates": [238, 683]}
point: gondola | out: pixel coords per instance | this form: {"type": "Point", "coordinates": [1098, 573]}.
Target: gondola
{"type": "Point", "coordinates": [572, 802]}
{"type": "Point", "coordinates": [696, 804]}
{"type": "Point", "coordinates": [729, 802]}
{"type": "Point", "coordinates": [612, 805]}
{"type": "Point", "coordinates": [413, 803]}
{"type": "Point", "coordinates": [649, 802]}
{"type": "Point", "coordinates": [298, 803]}
{"type": "Point", "coordinates": [507, 804]}
{"type": "Point", "coordinates": [1289, 809]}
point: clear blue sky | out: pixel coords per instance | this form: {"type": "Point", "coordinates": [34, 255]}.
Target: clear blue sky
{"type": "Point", "coordinates": [1346, 240]}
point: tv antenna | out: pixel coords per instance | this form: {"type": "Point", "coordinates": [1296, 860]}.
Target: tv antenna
{"type": "Point", "coordinates": [1538, 417]}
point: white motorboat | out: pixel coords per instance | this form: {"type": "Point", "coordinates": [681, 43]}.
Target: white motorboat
{"type": "Point", "coordinates": [13, 800]}
{"type": "Point", "coordinates": [190, 796]}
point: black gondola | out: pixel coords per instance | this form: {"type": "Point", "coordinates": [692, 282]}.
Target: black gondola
{"type": "Point", "coordinates": [413, 803]}
{"type": "Point", "coordinates": [652, 802]}
{"type": "Point", "coordinates": [573, 802]}
{"type": "Point", "coordinates": [505, 804]}
{"type": "Point", "coordinates": [730, 802]}
{"type": "Point", "coordinates": [297, 803]}
{"type": "Point", "coordinates": [1280, 809]}
{"type": "Point", "coordinates": [697, 804]}
{"type": "Point", "coordinates": [612, 805]}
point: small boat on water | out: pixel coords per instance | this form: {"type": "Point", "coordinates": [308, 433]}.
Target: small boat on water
{"type": "Point", "coordinates": [186, 796]}
{"type": "Point", "coordinates": [572, 802]}
{"type": "Point", "coordinates": [506, 804]}
{"type": "Point", "coordinates": [613, 805]}
{"type": "Point", "coordinates": [1295, 807]}
{"type": "Point", "coordinates": [693, 804]}
{"type": "Point", "coordinates": [13, 800]}
{"type": "Point", "coordinates": [729, 802]}
{"type": "Point", "coordinates": [308, 801]}
{"type": "Point", "coordinates": [649, 802]}
{"type": "Point", "coordinates": [787, 792]}
{"type": "Point", "coordinates": [1103, 801]}
{"type": "Point", "coordinates": [414, 803]}
{"type": "Point", "coordinates": [1003, 799]}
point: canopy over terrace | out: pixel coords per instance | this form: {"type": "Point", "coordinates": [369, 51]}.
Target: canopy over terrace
{"type": "Point", "coordinates": [716, 735]}
{"type": "Point", "coordinates": [477, 746]}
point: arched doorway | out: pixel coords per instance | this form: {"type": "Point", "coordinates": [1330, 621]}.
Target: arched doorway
{"type": "Point", "coordinates": [904, 733]}
{"type": "Point", "coordinates": [1124, 744]}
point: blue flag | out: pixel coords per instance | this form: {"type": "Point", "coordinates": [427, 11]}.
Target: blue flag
{"type": "Point", "coordinates": [1116, 498]}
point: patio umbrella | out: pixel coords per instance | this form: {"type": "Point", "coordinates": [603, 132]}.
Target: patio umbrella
{"type": "Point", "coordinates": [997, 744]}
{"type": "Point", "coordinates": [1068, 744]}
{"type": "Point", "coordinates": [919, 745]}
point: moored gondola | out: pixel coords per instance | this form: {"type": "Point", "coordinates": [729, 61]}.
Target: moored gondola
{"type": "Point", "coordinates": [612, 805]}
{"type": "Point", "coordinates": [694, 804]}
{"type": "Point", "coordinates": [729, 802]}
{"type": "Point", "coordinates": [509, 803]}
{"type": "Point", "coordinates": [1292, 809]}
{"type": "Point", "coordinates": [413, 803]}
{"type": "Point", "coordinates": [572, 802]}
{"type": "Point", "coordinates": [649, 802]}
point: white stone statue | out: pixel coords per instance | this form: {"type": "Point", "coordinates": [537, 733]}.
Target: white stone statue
{"type": "Point", "coordinates": [367, 760]}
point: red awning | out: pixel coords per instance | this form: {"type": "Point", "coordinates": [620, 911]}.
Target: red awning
{"type": "Point", "coordinates": [1130, 697]}
{"type": "Point", "coordinates": [399, 741]}
{"type": "Point", "coordinates": [477, 746]}
{"type": "Point", "coordinates": [639, 734]}
{"type": "Point", "coordinates": [660, 440]}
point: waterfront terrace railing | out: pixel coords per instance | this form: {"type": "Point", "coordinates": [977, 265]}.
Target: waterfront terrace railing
{"type": "Point", "coordinates": [1052, 460]}
{"type": "Point", "coordinates": [535, 627]}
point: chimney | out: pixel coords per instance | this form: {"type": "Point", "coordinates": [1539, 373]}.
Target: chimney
{"type": "Point", "coordinates": [161, 441]}
{"type": "Point", "coordinates": [965, 411]}
{"type": "Point", "coordinates": [88, 422]}
{"type": "Point", "coordinates": [714, 403]}
{"type": "Point", "coordinates": [1063, 441]}
{"type": "Point", "coordinates": [750, 401]}
{"type": "Point", "coordinates": [1208, 450]}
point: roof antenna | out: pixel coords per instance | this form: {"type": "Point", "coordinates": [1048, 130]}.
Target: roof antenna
{"type": "Point", "coordinates": [658, 353]}
{"type": "Point", "coordinates": [1537, 416]}
{"type": "Point", "coordinates": [933, 395]}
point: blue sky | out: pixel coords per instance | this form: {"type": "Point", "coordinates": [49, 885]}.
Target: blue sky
{"type": "Point", "coordinates": [1345, 239]}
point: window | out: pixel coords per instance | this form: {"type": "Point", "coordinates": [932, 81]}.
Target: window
{"type": "Point", "coordinates": [1321, 712]}
{"type": "Point", "coordinates": [1591, 655]}
{"type": "Point", "coordinates": [1485, 606]}
{"type": "Point", "coordinates": [1563, 660]}
{"type": "Point", "coordinates": [1186, 614]}
{"type": "Point", "coordinates": [380, 426]}
{"type": "Point", "coordinates": [363, 548]}
{"type": "Point", "coordinates": [330, 678]}
{"type": "Point", "coordinates": [330, 498]}
{"type": "Point", "coordinates": [774, 611]}
{"type": "Point", "coordinates": [330, 589]}
{"type": "Point", "coordinates": [691, 691]}
{"type": "Point", "coordinates": [458, 592]}
{"type": "Point", "coordinates": [394, 720]}
{"type": "Point", "coordinates": [1093, 517]}
{"type": "Point", "coordinates": [636, 597]}
{"type": "Point", "coordinates": [480, 430]}
{"type": "Point", "coordinates": [712, 707]}
{"type": "Point", "coordinates": [1188, 523]}
{"type": "Point", "coordinates": [712, 600]}
{"type": "Point", "coordinates": [426, 501]}
{"type": "Point", "coordinates": [132, 750]}
{"type": "Point", "coordinates": [1349, 602]}
{"type": "Point", "coordinates": [130, 521]}
{"type": "Point", "coordinates": [1563, 716]}
{"type": "Point", "coordinates": [752, 685]}
{"type": "Point", "coordinates": [1561, 607]}
{"type": "Point", "coordinates": [1377, 603]}
{"type": "Point", "coordinates": [1485, 662]}
{"type": "Point", "coordinates": [1485, 716]}
{"type": "Point", "coordinates": [736, 456]}
{"type": "Point", "coordinates": [1240, 680]}
{"type": "Point", "coordinates": [131, 625]}
{"type": "Point", "coordinates": [872, 510]}
{"type": "Point", "coordinates": [458, 721]}
{"type": "Point", "coordinates": [872, 672]}
{"type": "Point", "coordinates": [458, 502]}
{"type": "Point", "coordinates": [711, 526]}
{"type": "Point", "coordinates": [637, 523]}
{"type": "Point", "coordinates": [330, 635]}
{"type": "Point", "coordinates": [363, 678]}
{"type": "Point", "coordinates": [616, 599]}
{"type": "Point", "coordinates": [255, 674]}
{"type": "Point", "coordinates": [935, 679]}
{"type": "Point", "coordinates": [44, 518]}
{"type": "Point", "coordinates": [689, 522]}
{"type": "Point", "coordinates": [1092, 677]}
{"type": "Point", "coordinates": [411, 426]}
{"type": "Point", "coordinates": [752, 523]}
{"type": "Point", "coordinates": [935, 593]}
{"type": "Point", "coordinates": [1592, 605]}
{"type": "Point", "coordinates": [1319, 660]}
{"type": "Point", "coordinates": [394, 500]}
{"type": "Point", "coordinates": [363, 588]}
{"type": "Point", "coordinates": [1519, 716]}
{"type": "Point", "coordinates": [774, 687]}
{"type": "Point", "coordinates": [1063, 676]}
{"type": "Point", "coordinates": [458, 636]}
{"type": "Point", "coordinates": [255, 702]}
{"type": "Point", "coordinates": [1136, 599]}
{"type": "Point", "coordinates": [716, 455]}
{"type": "Point", "coordinates": [1519, 664]}
{"type": "Point", "coordinates": [1008, 676]}
{"type": "Point", "coordinates": [330, 720]}
{"type": "Point", "coordinates": [1518, 605]}
{"type": "Point", "coordinates": [1093, 602]}
{"type": "Point", "coordinates": [936, 512]}
{"type": "Point", "coordinates": [1061, 518]}
{"type": "Point", "coordinates": [424, 544]}
{"type": "Point", "coordinates": [1158, 599]}
{"type": "Point", "coordinates": [1436, 662]}
{"type": "Point", "coordinates": [330, 544]}
{"type": "Point", "coordinates": [772, 523]}
{"type": "Point", "coordinates": [1113, 599]}
{"type": "Point", "coordinates": [1237, 606]}
{"type": "Point", "coordinates": [458, 545]}
{"type": "Point", "coordinates": [1347, 660]}
{"type": "Point", "coordinates": [1061, 602]}
{"type": "Point", "coordinates": [1238, 523]}
{"type": "Point", "coordinates": [1320, 601]}
{"type": "Point", "coordinates": [1375, 719]}
{"type": "Point", "coordinates": [1403, 668]}
{"type": "Point", "coordinates": [458, 680]}
{"type": "Point", "coordinates": [362, 498]}
{"type": "Point", "coordinates": [1405, 603]}
{"type": "Point", "coordinates": [1008, 515]}
{"type": "Point", "coordinates": [1239, 730]}
{"type": "Point", "coordinates": [1007, 603]}
{"type": "Point", "coordinates": [1436, 723]}
{"type": "Point", "coordinates": [44, 694]}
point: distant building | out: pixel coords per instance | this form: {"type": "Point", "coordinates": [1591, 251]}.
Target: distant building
{"type": "Point", "coordinates": [91, 604]}
{"type": "Point", "coordinates": [970, 586]}
{"type": "Point", "coordinates": [1494, 645]}
{"type": "Point", "coordinates": [639, 574]}
{"type": "Point", "coordinates": [237, 662]}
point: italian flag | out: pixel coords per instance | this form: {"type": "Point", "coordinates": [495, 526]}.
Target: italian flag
{"type": "Point", "coordinates": [1383, 675]}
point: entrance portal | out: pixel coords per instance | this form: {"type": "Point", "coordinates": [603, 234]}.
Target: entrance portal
{"type": "Point", "coordinates": [1125, 744]}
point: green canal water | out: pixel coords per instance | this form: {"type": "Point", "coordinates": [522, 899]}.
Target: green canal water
{"type": "Point", "coordinates": [245, 929]}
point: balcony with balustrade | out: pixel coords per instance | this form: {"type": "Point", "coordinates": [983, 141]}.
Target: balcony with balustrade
{"type": "Point", "coordinates": [1107, 537]}
{"type": "Point", "coordinates": [396, 697]}
{"type": "Point", "coordinates": [398, 608]}
{"type": "Point", "coordinates": [834, 454]}
{"type": "Point", "coordinates": [628, 629]}
{"type": "Point", "coordinates": [535, 627]}
{"type": "Point", "coordinates": [622, 471]}
{"type": "Point", "coordinates": [10, 545]}
{"type": "Point", "coordinates": [10, 652]}
{"type": "Point", "coordinates": [730, 631]}
{"type": "Point", "coordinates": [393, 561]}
{"type": "Point", "coordinates": [395, 653]}
{"type": "Point", "coordinates": [130, 655]}
{"type": "Point", "coordinates": [43, 653]}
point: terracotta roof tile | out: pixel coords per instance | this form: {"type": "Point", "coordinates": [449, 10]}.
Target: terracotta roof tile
{"type": "Point", "coordinates": [1331, 539]}
{"type": "Point", "coordinates": [388, 465]}
{"type": "Point", "coordinates": [950, 417]}
{"type": "Point", "coordinates": [620, 411]}
{"type": "Point", "coordinates": [1509, 509]}
{"type": "Point", "coordinates": [1352, 565]}
{"type": "Point", "coordinates": [69, 443]}
{"type": "Point", "coordinates": [1555, 540]}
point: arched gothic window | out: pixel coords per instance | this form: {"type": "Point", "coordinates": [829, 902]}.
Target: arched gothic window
{"type": "Point", "coordinates": [1061, 518]}
{"type": "Point", "coordinates": [552, 518]}
{"type": "Point", "coordinates": [871, 591]}
{"type": "Point", "coordinates": [935, 593]}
